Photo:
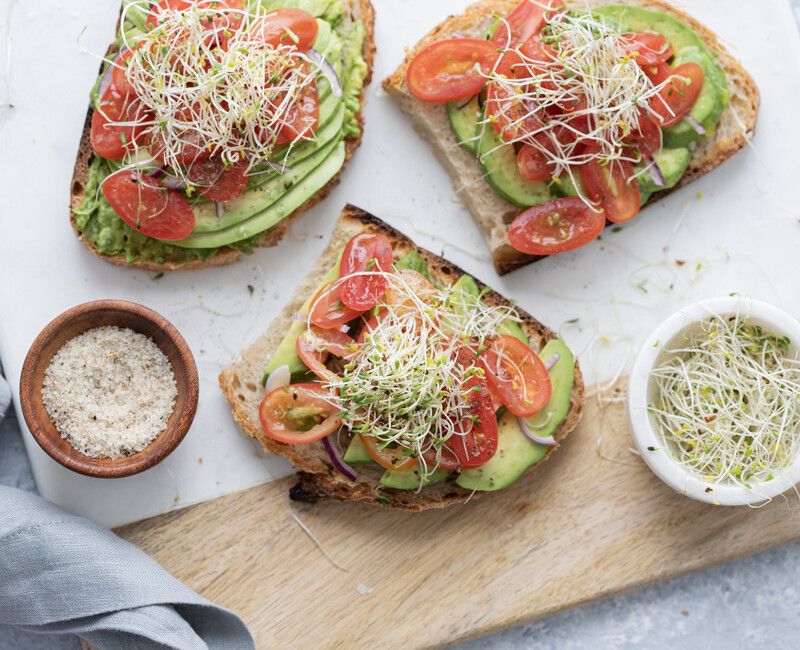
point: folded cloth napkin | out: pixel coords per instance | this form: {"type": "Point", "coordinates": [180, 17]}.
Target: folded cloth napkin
{"type": "Point", "coordinates": [5, 396]}
{"type": "Point", "coordinates": [63, 574]}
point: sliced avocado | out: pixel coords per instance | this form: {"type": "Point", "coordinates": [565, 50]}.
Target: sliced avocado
{"type": "Point", "coordinates": [565, 186]}
{"type": "Point", "coordinates": [411, 480]}
{"type": "Point", "coordinates": [286, 353]}
{"type": "Point", "coordinates": [515, 452]}
{"type": "Point", "coordinates": [687, 46]}
{"type": "Point", "coordinates": [272, 214]}
{"type": "Point", "coordinates": [464, 122]}
{"type": "Point", "coordinates": [499, 162]}
{"type": "Point", "coordinates": [671, 162]}
{"type": "Point", "coordinates": [414, 261]}
{"type": "Point", "coordinates": [356, 452]}
{"type": "Point", "coordinates": [258, 198]}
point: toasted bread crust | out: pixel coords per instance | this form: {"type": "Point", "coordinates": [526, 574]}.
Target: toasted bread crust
{"type": "Point", "coordinates": [365, 12]}
{"type": "Point", "coordinates": [736, 128]}
{"type": "Point", "coordinates": [318, 480]}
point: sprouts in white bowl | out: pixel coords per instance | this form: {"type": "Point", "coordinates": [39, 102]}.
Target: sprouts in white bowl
{"type": "Point", "coordinates": [714, 401]}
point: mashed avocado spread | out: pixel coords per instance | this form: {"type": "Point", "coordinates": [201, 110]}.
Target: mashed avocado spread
{"type": "Point", "coordinates": [271, 196]}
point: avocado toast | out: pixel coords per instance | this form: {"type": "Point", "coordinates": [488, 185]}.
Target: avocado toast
{"type": "Point", "coordinates": [294, 175]}
{"type": "Point", "coordinates": [321, 475]}
{"type": "Point", "coordinates": [481, 160]}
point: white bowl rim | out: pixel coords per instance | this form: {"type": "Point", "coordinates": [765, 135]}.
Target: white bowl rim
{"type": "Point", "coordinates": [660, 462]}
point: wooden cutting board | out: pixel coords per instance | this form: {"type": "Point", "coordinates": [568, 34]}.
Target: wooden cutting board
{"type": "Point", "coordinates": [591, 522]}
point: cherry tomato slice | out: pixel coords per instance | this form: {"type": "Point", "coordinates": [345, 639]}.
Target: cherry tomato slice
{"type": "Point", "coordinates": [395, 459]}
{"type": "Point", "coordinates": [647, 138]}
{"type": "Point", "coordinates": [119, 76]}
{"type": "Point", "coordinates": [555, 226]}
{"type": "Point", "coordinates": [287, 27]}
{"type": "Point", "coordinates": [533, 164]}
{"type": "Point", "coordinates": [113, 141]}
{"type": "Point", "coordinates": [157, 8]}
{"type": "Point", "coordinates": [302, 117]}
{"type": "Point", "coordinates": [190, 149]}
{"type": "Point", "coordinates": [218, 181]}
{"type": "Point", "coordinates": [658, 72]}
{"type": "Point", "coordinates": [397, 296]}
{"type": "Point", "coordinates": [148, 207]}
{"type": "Point", "coordinates": [328, 311]}
{"type": "Point", "coordinates": [526, 20]}
{"type": "Point", "coordinates": [517, 375]}
{"type": "Point", "coordinates": [613, 187]}
{"type": "Point", "coordinates": [298, 414]}
{"type": "Point", "coordinates": [647, 48]}
{"type": "Point", "coordinates": [450, 70]}
{"type": "Point", "coordinates": [363, 253]}
{"type": "Point", "coordinates": [313, 350]}
{"type": "Point", "coordinates": [676, 99]}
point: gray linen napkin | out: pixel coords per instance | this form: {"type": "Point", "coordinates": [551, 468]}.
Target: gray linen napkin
{"type": "Point", "coordinates": [5, 395]}
{"type": "Point", "coordinates": [63, 574]}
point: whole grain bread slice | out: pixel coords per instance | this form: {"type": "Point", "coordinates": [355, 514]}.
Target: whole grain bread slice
{"type": "Point", "coordinates": [492, 213]}
{"type": "Point", "coordinates": [318, 480]}
{"type": "Point", "coordinates": [358, 10]}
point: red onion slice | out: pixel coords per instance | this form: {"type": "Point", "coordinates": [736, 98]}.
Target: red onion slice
{"type": "Point", "coordinates": [218, 209]}
{"type": "Point", "coordinates": [327, 69]}
{"type": "Point", "coordinates": [553, 361]}
{"type": "Point", "coordinates": [655, 172]}
{"type": "Point", "coordinates": [173, 182]}
{"type": "Point", "coordinates": [281, 376]}
{"type": "Point", "coordinates": [337, 461]}
{"type": "Point", "coordinates": [547, 442]}
{"type": "Point", "coordinates": [699, 128]}
{"type": "Point", "coordinates": [105, 81]}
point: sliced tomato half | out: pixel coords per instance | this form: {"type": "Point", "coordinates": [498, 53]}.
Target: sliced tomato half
{"type": "Point", "coordinates": [313, 350]}
{"type": "Point", "coordinates": [299, 414]}
{"type": "Point", "coordinates": [287, 27]}
{"type": "Point", "coordinates": [647, 48]}
{"type": "Point", "coordinates": [218, 181]}
{"type": "Point", "coordinates": [147, 206]}
{"type": "Point", "coordinates": [364, 253]}
{"type": "Point", "coordinates": [327, 309]}
{"type": "Point", "coordinates": [533, 165]}
{"type": "Point", "coordinates": [117, 124]}
{"type": "Point", "coordinates": [678, 96]}
{"type": "Point", "coordinates": [613, 187]}
{"type": "Point", "coordinates": [393, 457]}
{"type": "Point", "coordinates": [555, 226]}
{"type": "Point", "coordinates": [157, 8]}
{"type": "Point", "coordinates": [526, 20]}
{"type": "Point", "coordinates": [516, 374]}
{"type": "Point", "coordinates": [449, 70]}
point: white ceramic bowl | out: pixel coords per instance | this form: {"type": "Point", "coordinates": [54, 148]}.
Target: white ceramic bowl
{"type": "Point", "coordinates": [641, 392]}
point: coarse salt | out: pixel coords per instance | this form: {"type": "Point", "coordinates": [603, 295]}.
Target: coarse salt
{"type": "Point", "coordinates": [109, 391]}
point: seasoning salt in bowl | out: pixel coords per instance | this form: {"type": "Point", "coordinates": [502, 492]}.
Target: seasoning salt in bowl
{"type": "Point", "coordinates": [731, 435]}
{"type": "Point", "coordinates": [118, 341]}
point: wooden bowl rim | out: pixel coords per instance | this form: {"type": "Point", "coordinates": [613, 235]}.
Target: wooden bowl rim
{"type": "Point", "coordinates": [157, 450]}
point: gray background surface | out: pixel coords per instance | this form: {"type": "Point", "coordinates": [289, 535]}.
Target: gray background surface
{"type": "Point", "coordinates": [751, 603]}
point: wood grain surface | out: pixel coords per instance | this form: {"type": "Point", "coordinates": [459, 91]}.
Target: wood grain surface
{"type": "Point", "coordinates": [591, 522]}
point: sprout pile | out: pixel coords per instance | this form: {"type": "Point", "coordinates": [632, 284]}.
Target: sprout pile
{"type": "Point", "coordinates": [728, 402]}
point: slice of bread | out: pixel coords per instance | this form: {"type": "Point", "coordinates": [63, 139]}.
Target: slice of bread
{"type": "Point", "coordinates": [492, 213]}
{"type": "Point", "coordinates": [318, 480]}
{"type": "Point", "coordinates": [358, 10]}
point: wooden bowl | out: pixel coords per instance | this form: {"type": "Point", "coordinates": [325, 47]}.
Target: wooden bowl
{"type": "Point", "coordinates": [76, 321]}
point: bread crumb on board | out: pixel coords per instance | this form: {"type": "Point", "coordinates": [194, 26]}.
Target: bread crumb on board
{"type": "Point", "coordinates": [109, 392]}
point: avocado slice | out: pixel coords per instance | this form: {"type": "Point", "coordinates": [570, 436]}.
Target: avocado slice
{"type": "Point", "coordinates": [292, 199]}
{"type": "Point", "coordinates": [515, 452]}
{"type": "Point", "coordinates": [414, 261]}
{"type": "Point", "coordinates": [286, 353]}
{"type": "Point", "coordinates": [671, 162]}
{"type": "Point", "coordinates": [259, 198]}
{"type": "Point", "coordinates": [464, 122]}
{"type": "Point", "coordinates": [687, 46]}
{"type": "Point", "coordinates": [499, 162]}
{"type": "Point", "coordinates": [411, 480]}
{"type": "Point", "coordinates": [356, 452]}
